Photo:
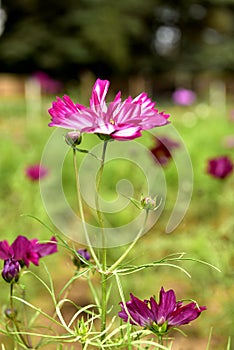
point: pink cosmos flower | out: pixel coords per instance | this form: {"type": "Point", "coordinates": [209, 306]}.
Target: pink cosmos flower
{"type": "Point", "coordinates": [120, 120]}
{"type": "Point", "coordinates": [184, 97]}
{"type": "Point", "coordinates": [162, 316]}
{"type": "Point", "coordinates": [36, 172]}
{"type": "Point", "coordinates": [25, 251]}
{"type": "Point", "coordinates": [220, 167]}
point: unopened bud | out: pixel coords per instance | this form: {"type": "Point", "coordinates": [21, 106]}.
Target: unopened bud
{"type": "Point", "coordinates": [85, 256]}
{"type": "Point", "coordinates": [11, 270]}
{"type": "Point", "coordinates": [149, 203]}
{"type": "Point", "coordinates": [9, 313]}
{"type": "Point", "coordinates": [73, 138]}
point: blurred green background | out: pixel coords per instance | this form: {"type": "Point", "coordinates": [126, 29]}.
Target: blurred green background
{"type": "Point", "coordinates": [153, 46]}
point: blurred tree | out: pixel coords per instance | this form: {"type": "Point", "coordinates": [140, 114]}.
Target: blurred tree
{"type": "Point", "coordinates": [66, 36]}
{"type": "Point", "coordinates": [122, 37]}
{"type": "Point", "coordinates": [195, 35]}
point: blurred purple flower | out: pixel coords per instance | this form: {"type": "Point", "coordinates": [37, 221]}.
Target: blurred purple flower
{"type": "Point", "coordinates": [36, 172]}
{"type": "Point", "coordinates": [184, 97]}
{"type": "Point", "coordinates": [120, 120]}
{"type": "Point", "coordinates": [159, 317]}
{"type": "Point", "coordinates": [11, 270]}
{"type": "Point", "coordinates": [25, 251]}
{"type": "Point", "coordinates": [163, 148]}
{"type": "Point", "coordinates": [48, 84]}
{"type": "Point", "coordinates": [220, 167]}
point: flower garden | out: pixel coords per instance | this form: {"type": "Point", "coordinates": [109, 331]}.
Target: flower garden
{"type": "Point", "coordinates": [143, 259]}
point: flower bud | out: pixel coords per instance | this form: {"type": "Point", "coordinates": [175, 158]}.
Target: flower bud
{"type": "Point", "coordinates": [73, 138]}
{"type": "Point", "coordinates": [11, 270]}
{"type": "Point", "coordinates": [149, 203]}
{"type": "Point", "coordinates": [84, 253]}
{"type": "Point", "coordinates": [9, 313]}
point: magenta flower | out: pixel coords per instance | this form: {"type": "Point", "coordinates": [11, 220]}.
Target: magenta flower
{"type": "Point", "coordinates": [25, 251]}
{"type": "Point", "coordinates": [163, 148]}
{"type": "Point", "coordinates": [220, 167]}
{"type": "Point", "coordinates": [36, 172]}
{"type": "Point", "coordinates": [120, 120]}
{"type": "Point", "coordinates": [184, 97]}
{"type": "Point", "coordinates": [159, 317]}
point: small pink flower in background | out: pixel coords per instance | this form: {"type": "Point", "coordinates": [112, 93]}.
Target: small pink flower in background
{"type": "Point", "coordinates": [184, 97]}
{"type": "Point", "coordinates": [231, 115]}
{"type": "Point", "coordinates": [220, 167]}
{"type": "Point", "coordinates": [228, 141]}
{"type": "Point", "coordinates": [163, 148]}
{"type": "Point", "coordinates": [48, 84]}
{"type": "Point", "coordinates": [120, 120]}
{"type": "Point", "coordinates": [36, 172]}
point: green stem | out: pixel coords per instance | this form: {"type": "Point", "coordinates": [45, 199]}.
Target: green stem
{"type": "Point", "coordinates": [122, 257]}
{"type": "Point", "coordinates": [15, 322]}
{"type": "Point", "coordinates": [160, 340]}
{"type": "Point", "coordinates": [98, 185]}
{"type": "Point", "coordinates": [82, 211]}
{"type": "Point", "coordinates": [103, 249]}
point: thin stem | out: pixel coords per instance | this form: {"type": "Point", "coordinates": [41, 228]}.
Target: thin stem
{"type": "Point", "coordinates": [15, 322]}
{"type": "Point", "coordinates": [123, 256]}
{"type": "Point", "coordinates": [103, 250]}
{"type": "Point", "coordinates": [98, 185]}
{"type": "Point", "coordinates": [82, 211]}
{"type": "Point", "coordinates": [92, 289]}
{"type": "Point", "coordinates": [160, 340]}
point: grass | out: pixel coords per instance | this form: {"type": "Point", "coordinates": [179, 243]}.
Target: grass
{"type": "Point", "coordinates": [206, 232]}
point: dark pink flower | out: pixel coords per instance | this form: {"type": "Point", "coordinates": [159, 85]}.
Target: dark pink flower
{"type": "Point", "coordinates": [120, 120]}
{"type": "Point", "coordinates": [162, 316]}
{"type": "Point", "coordinates": [220, 167]}
{"type": "Point", "coordinates": [36, 172]}
{"type": "Point", "coordinates": [163, 148]}
{"type": "Point", "coordinates": [25, 251]}
{"type": "Point", "coordinates": [184, 97]}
